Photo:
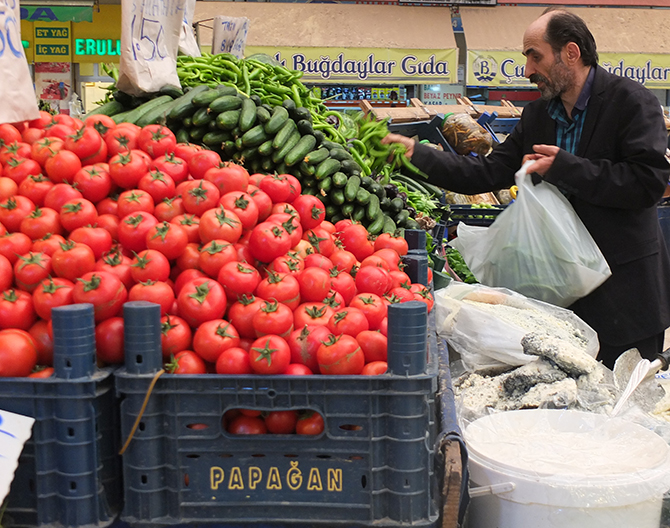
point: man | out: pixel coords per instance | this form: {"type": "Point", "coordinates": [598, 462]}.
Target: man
{"type": "Point", "coordinates": [601, 140]}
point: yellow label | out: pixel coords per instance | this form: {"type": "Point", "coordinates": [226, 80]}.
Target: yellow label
{"type": "Point", "coordinates": [275, 479]}
{"type": "Point", "coordinates": [52, 41]}
{"type": "Point", "coordinates": [505, 69]}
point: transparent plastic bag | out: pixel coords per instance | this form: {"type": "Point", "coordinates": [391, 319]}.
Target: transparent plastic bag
{"type": "Point", "coordinates": [538, 247]}
{"type": "Point", "coordinates": [465, 135]}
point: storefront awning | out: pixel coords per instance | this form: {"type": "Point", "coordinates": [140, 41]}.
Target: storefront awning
{"type": "Point", "coordinates": [631, 43]}
{"type": "Point", "coordinates": [57, 10]}
{"type": "Point", "coordinates": [346, 43]}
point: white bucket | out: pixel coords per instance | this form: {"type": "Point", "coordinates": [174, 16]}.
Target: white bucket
{"type": "Point", "coordinates": [565, 469]}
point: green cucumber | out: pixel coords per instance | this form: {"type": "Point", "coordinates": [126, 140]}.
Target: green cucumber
{"type": "Point", "coordinates": [201, 117]}
{"type": "Point", "coordinates": [223, 103]}
{"type": "Point", "coordinates": [277, 121]}
{"type": "Point", "coordinates": [340, 179]}
{"type": "Point", "coordinates": [377, 190]}
{"type": "Point", "coordinates": [326, 184]}
{"type": "Point", "coordinates": [266, 164]}
{"type": "Point", "coordinates": [306, 170]}
{"type": "Point", "coordinates": [204, 99]}
{"type": "Point", "coordinates": [187, 122]}
{"type": "Point", "coordinates": [302, 113]}
{"type": "Point", "coordinates": [310, 191]}
{"type": "Point", "coordinates": [309, 182]}
{"type": "Point", "coordinates": [138, 112]}
{"type": "Point", "coordinates": [401, 218]}
{"type": "Point", "coordinates": [121, 116]}
{"type": "Point", "coordinates": [410, 223]}
{"type": "Point", "coordinates": [216, 139]}
{"type": "Point", "coordinates": [359, 213]}
{"type": "Point", "coordinates": [340, 154]}
{"type": "Point", "coordinates": [362, 196]}
{"type": "Point", "coordinates": [254, 137]}
{"type": "Point", "coordinates": [289, 105]}
{"type": "Point", "coordinates": [172, 91]}
{"type": "Point", "coordinates": [347, 210]}
{"type": "Point", "coordinates": [351, 188]}
{"type": "Point", "coordinates": [397, 205]}
{"type": "Point", "coordinates": [330, 144]}
{"type": "Point", "coordinates": [279, 155]}
{"type": "Point", "coordinates": [265, 148]}
{"type": "Point", "coordinates": [263, 115]}
{"type": "Point", "coordinates": [286, 131]}
{"type": "Point", "coordinates": [331, 209]}
{"type": "Point", "coordinates": [337, 197]}
{"type": "Point", "coordinates": [247, 115]}
{"type": "Point", "coordinates": [316, 156]}
{"type": "Point", "coordinates": [327, 167]}
{"type": "Point", "coordinates": [375, 227]}
{"type": "Point", "coordinates": [300, 150]}
{"type": "Point", "coordinates": [197, 133]}
{"type": "Point", "coordinates": [305, 126]}
{"type": "Point", "coordinates": [182, 136]}
{"type": "Point", "coordinates": [366, 182]}
{"type": "Point", "coordinates": [183, 106]}
{"type": "Point", "coordinates": [229, 147]}
{"type": "Point", "coordinates": [389, 225]}
{"type": "Point", "coordinates": [110, 108]}
{"type": "Point", "coordinates": [228, 120]}
{"type": "Point", "coordinates": [373, 210]}
{"type": "Point", "coordinates": [350, 167]}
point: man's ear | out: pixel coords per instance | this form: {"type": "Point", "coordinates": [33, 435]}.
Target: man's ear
{"type": "Point", "coordinates": [572, 52]}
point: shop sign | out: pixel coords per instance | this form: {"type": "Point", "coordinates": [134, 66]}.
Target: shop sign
{"type": "Point", "coordinates": [52, 42]}
{"type": "Point", "coordinates": [441, 94]}
{"type": "Point", "coordinates": [100, 41]}
{"type": "Point", "coordinates": [367, 66]}
{"type": "Point", "coordinates": [505, 69]}
{"type": "Point", "coordinates": [57, 13]}
{"type": "Point", "coordinates": [97, 47]}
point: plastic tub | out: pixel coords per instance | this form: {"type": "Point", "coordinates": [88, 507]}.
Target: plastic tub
{"type": "Point", "coordinates": [567, 469]}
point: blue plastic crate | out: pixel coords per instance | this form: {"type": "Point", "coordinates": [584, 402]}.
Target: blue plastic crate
{"type": "Point", "coordinates": [375, 463]}
{"type": "Point", "coordinates": [69, 472]}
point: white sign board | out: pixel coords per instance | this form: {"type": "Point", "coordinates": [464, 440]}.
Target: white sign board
{"type": "Point", "coordinates": [17, 92]}
{"type": "Point", "coordinates": [441, 94]}
{"type": "Point", "coordinates": [150, 33]}
{"type": "Point", "coordinates": [230, 35]}
{"type": "Point", "coordinates": [15, 430]}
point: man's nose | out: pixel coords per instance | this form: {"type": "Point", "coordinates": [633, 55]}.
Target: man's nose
{"type": "Point", "coordinates": [528, 70]}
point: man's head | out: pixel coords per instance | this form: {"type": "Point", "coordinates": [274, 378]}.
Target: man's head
{"type": "Point", "coordinates": [557, 45]}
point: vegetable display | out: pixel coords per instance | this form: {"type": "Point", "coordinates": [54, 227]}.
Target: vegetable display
{"type": "Point", "coordinates": [249, 274]}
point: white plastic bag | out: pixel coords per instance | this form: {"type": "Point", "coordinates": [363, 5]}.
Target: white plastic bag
{"type": "Point", "coordinates": [485, 325]}
{"type": "Point", "coordinates": [188, 45]}
{"type": "Point", "coordinates": [538, 247]}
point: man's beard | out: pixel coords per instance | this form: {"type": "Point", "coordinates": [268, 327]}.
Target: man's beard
{"type": "Point", "coordinates": [563, 80]}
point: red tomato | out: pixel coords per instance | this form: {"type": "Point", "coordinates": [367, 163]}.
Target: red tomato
{"type": "Point", "coordinates": [44, 343]}
{"type": "Point", "coordinates": [281, 422]}
{"type": "Point", "coordinates": [376, 260]}
{"type": "Point", "coordinates": [157, 292]}
{"type": "Point", "coordinates": [374, 345]}
{"type": "Point", "coordinates": [176, 335]}
{"type": "Point", "coordinates": [311, 210]}
{"type": "Point", "coordinates": [201, 162]}
{"type": "Point", "coordinates": [315, 260]}
{"type": "Point", "coordinates": [213, 337]}
{"type": "Point", "coordinates": [234, 360]}
{"type": "Point", "coordinates": [48, 244]}
{"type": "Point", "coordinates": [126, 169]}
{"type": "Point", "coordinates": [18, 350]}
{"type": "Point", "coordinates": [118, 264]}
{"type": "Point", "coordinates": [214, 255]}
{"type": "Point", "coordinates": [269, 354]}
{"type": "Point", "coordinates": [372, 306]}
{"type": "Point", "coordinates": [156, 140]}
{"type": "Point", "coordinates": [296, 369]}
{"type": "Point", "coordinates": [109, 341]}
{"type": "Point", "coordinates": [399, 279]}
{"type": "Point", "coordinates": [389, 255]}
{"type": "Point", "coordinates": [60, 194]}
{"type": "Point", "coordinates": [133, 230]}
{"type": "Point", "coordinates": [173, 166]}
{"type": "Point", "coordinates": [290, 223]}
{"type": "Point", "coordinates": [8, 187]}
{"type": "Point", "coordinates": [273, 318]}
{"type": "Point", "coordinates": [158, 184]}
{"type": "Point", "coordinates": [31, 269]}
{"type": "Point", "coordinates": [16, 310]}
{"type": "Point", "coordinates": [269, 241]}
{"type": "Point", "coordinates": [190, 224]}
{"type": "Point", "coordinates": [73, 260]}
{"type": "Point", "coordinates": [41, 222]}
{"type": "Point", "coordinates": [262, 200]}
{"type": "Point", "coordinates": [50, 293]}
{"type": "Point", "coordinates": [168, 209]}
{"type": "Point", "coordinates": [371, 279]}
{"type": "Point", "coordinates": [241, 314]}
{"type": "Point", "coordinates": [284, 208]}
{"type": "Point", "coordinates": [386, 240]}
{"type": "Point", "coordinates": [150, 265]}
{"type": "Point", "coordinates": [243, 206]}
{"type": "Point", "coordinates": [100, 122]}
{"type": "Point", "coordinates": [44, 148]}
{"type": "Point", "coordinates": [344, 284]}
{"type": "Point", "coordinates": [340, 355]}
{"type": "Point", "coordinates": [77, 213]}
{"type": "Point", "coordinates": [30, 135]}
{"type": "Point", "coordinates": [169, 239]}
{"type": "Point", "coordinates": [294, 188]}
{"type": "Point", "coordinates": [35, 188]}
{"type": "Point", "coordinates": [314, 284]}
{"type": "Point", "coordinates": [9, 133]}
{"type": "Point", "coordinates": [220, 224]}
{"type": "Point", "coordinates": [247, 425]}
{"type": "Point", "coordinates": [187, 275]}
{"type": "Point", "coordinates": [375, 368]}
{"type": "Point", "coordinates": [423, 295]}
{"type": "Point", "coordinates": [133, 201]}
{"type": "Point", "coordinates": [228, 177]}
{"type": "Point", "coordinates": [304, 342]}
{"type": "Point", "coordinates": [186, 151]}
{"type": "Point", "coordinates": [17, 149]}
{"type": "Point", "coordinates": [239, 278]}
{"type": "Point", "coordinates": [400, 294]}
{"type": "Point", "coordinates": [18, 169]}
{"type": "Point", "coordinates": [62, 166]}
{"type": "Point", "coordinates": [355, 239]}
{"type": "Point", "coordinates": [201, 300]}
{"type": "Point", "coordinates": [44, 373]}
{"type": "Point", "coordinates": [310, 423]}
{"type": "Point", "coordinates": [276, 186]}
{"type": "Point", "coordinates": [282, 287]}
{"type": "Point", "coordinates": [186, 362]}
{"type": "Point", "coordinates": [103, 290]}
{"type": "Point", "coordinates": [350, 321]}
{"type": "Point", "coordinates": [199, 196]}
{"type": "Point", "coordinates": [321, 239]}
{"type": "Point", "coordinates": [190, 258]}
{"type": "Point", "coordinates": [13, 210]}
{"type": "Point", "coordinates": [87, 144]}
{"type": "Point", "coordinates": [6, 273]}
{"type": "Point", "coordinates": [42, 121]}
{"type": "Point", "coordinates": [312, 313]}
{"type": "Point", "coordinates": [97, 238]}
{"type": "Point", "coordinates": [14, 244]}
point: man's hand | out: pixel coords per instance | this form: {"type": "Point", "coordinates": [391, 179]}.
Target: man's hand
{"type": "Point", "coordinates": [544, 158]}
{"type": "Point", "coordinates": [403, 140]}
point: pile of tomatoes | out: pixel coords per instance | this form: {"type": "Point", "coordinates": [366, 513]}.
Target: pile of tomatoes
{"type": "Point", "coordinates": [249, 276]}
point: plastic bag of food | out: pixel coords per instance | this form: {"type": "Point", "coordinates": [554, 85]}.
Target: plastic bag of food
{"type": "Point", "coordinates": [465, 135]}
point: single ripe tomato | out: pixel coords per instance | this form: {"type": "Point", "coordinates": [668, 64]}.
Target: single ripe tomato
{"type": "Point", "coordinates": [72, 260]}
{"type": "Point", "coordinates": [314, 284]}
{"type": "Point", "coordinates": [176, 335]}
{"type": "Point", "coordinates": [386, 240]}
{"type": "Point", "coordinates": [276, 186]}
{"type": "Point", "coordinates": [283, 287]}
{"type": "Point", "coordinates": [18, 352]}
{"type": "Point", "coordinates": [201, 300]}
{"type": "Point", "coordinates": [269, 241]}
{"type": "Point", "coordinates": [239, 278]}
{"type": "Point", "coordinates": [173, 166]}
{"type": "Point", "coordinates": [241, 314]}
{"type": "Point", "coordinates": [16, 310]}
{"type": "Point", "coordinates": [269, 354]}
{"type": "Point", "coordinates": [310, 423]}
{"type": "Point", "coordinates": [199, 196]}
{"type": "Point", "coordinates": [247, 425]}
{"type": "Point", "coordinates": [228, 177]}
{"type": "Point", "coordinates": [51, 293]}
{"type": "Point", "coordinates": [281, 422]}
{"type": "Point", "coordinates": [103, 290]}
{"type": "Point", "coordinates": [243, 206]}
{"type": "Point", "coordinates": [109, 341]}
{"type": "Point", "coordinates": [157, 292]}
{"type": "Point", "coordinates": [273, 318]}
{"type": "Point", "coordinates": [340, 355]}
{"type": "Point", "coordinates": [304, 342]}
{"type": "Point", "coordinates": [213, 337]}
{"type": "Point", "coordinates": [234, 360]}
{"type": "Point", "coordinates": [375, 368]}
{"type": "Point", "coordinates": [30, 270]}
{"type": "Point", "coordinates": [156, 140]}
{"type": "Point", "coordinates": [374, 345]}
{"type": "Point", "coordinates": [186, 362]}
{"type": "Point", "coordinates": [350, 321]}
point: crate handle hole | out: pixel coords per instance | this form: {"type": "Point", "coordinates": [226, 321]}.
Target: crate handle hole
{"type": "Point", "coordinates": [364, 481]}
{"type": "Point", "coordinates": [406, 483]}
{"type": "Point", "coordinates": [68, 364]}
{"type": "Point", "coordinates": [355, 457]}
{"type": "Point", "coordinates": [141, 426]}
{"type": "Point", "coordinates": [193, 455]}
{"type": "Point", "coordinates": [143, 479]}
{"type": "Point", "coordinates": [70, 432]}
{"type": "Point", "coordinates": [272, 393]}
{"type": "Point", "coordinates": [225, 455]}
{"type": "Point", "coordinates": [323, 456]}
{"type": "Point", "coordinates": [290, 455]}
{"type": "Point", "coordinates": [187, 481]}
{"type": "Point", "coordinates": [73, 485]}
{"type": "Point", "coordinates": [197, 426]}
{"type": "Point", "coordinates": [258, 455]}
{"type": "Point", "coordinates": [351, 427]}
{"type": "Point", "coordinates": [138, 359]}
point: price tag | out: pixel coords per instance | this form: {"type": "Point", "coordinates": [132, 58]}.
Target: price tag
{"type": "Point", "coordinates": [149, 44]}
{"type": "Point", "coordinates": [15, 430]}
{"type": "Point", "coordinates": [16, 89]}
{"type": "Point", "coordinates": [230, 35]}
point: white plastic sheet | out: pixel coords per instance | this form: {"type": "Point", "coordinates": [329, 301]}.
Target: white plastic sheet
{"type": "Point", "coordinates": [15, 430]}
{"type": "Point", "coordinates": [188, 45]}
